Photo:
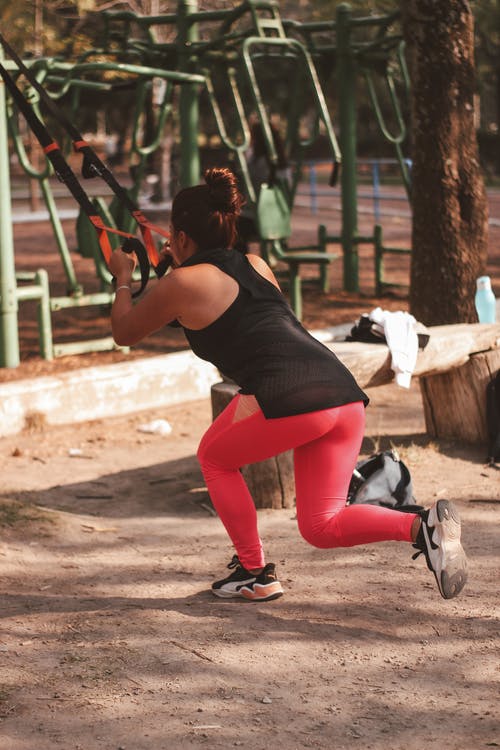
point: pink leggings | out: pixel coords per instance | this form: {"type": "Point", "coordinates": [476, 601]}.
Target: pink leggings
{"type": "Point", "coordinates": [326, 445]}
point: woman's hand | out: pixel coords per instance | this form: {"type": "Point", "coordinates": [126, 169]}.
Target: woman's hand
{"type": "Point", "coordinates": [122, 266]}
{"type": "Point", "coordinates": [165, 259]}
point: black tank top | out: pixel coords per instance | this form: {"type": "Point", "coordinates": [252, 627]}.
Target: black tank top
{"type": "Point", "coordinates": [260, 345]}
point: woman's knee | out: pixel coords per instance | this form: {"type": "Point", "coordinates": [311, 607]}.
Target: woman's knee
{"type": "Point", "coordinates": [205, 459]}
{"type": "Point", "coordinates": [212, 463]}
{"type": "Point", "coordinates": [321, 537]}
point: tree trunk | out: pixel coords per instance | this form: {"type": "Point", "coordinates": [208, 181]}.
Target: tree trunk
{"type": "Point", "coordinates": [497, 87]}
{"type": "Point", "coordinates": [449, 234]}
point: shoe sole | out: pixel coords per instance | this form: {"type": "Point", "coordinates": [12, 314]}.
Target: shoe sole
{"type": "Point", "coordinates": [231, 589]}
{"type": "Point", "coordinates": [449, 561]}
{"type": "Point", "coordinates": [262, 593]}
{"type": "Point", "coordinates": [226, 594]}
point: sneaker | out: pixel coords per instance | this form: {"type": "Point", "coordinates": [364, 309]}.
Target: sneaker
{"type": "Point", "coordinates": [439, 540]}
{"type": "Point", "coordinates": [264, 587]}
{"type": "Point", "coordinates": [230, 587]}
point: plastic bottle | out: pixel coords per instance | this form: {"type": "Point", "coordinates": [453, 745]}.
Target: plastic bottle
{"type": "Point", "coordinates": [485, 300]}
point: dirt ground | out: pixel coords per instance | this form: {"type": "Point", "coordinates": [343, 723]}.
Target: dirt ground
{"type": "Point", "coordinates": [111, 639]}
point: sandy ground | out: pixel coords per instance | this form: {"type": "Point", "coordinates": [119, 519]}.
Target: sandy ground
{"type": "Point", "coordinates": [110, 638]}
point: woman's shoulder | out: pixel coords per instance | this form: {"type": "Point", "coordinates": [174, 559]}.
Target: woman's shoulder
{"type": "Point", "coordinates": [201, 279]}
{"type": "Point", "coordinates": [189, 274]}
{"type": "Point", "coordinates": [260, 265]}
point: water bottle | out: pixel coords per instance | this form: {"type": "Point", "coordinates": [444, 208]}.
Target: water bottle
{"type": "Point", "coordinates": [485, 300]}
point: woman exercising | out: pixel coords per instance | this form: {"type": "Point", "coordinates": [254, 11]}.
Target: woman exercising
{"type": "Point", "coordinates": [294, 395]}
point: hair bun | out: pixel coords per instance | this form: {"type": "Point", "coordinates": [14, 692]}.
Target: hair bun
{"type": "Point", "coordinates": [223, 190]}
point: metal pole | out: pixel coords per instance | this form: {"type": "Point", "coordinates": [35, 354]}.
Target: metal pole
{"type": "Point", "coordinates": [313, 187]}
{"type": "Point", "coordinates": [376, 190]}
{"type": "Point", "coordinates": [188, 98]}
{"type": "Point", "coordinates": [9, 336]}
{"type": "Point", "coordinates": [346, 80]}
{"type": "Point", "coordinates": [33, 143]}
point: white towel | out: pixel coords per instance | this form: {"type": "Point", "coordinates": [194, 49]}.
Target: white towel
{"type": "Point", "coordinates": [400, 330]}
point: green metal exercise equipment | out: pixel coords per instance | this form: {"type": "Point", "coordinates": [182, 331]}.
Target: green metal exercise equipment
{"type": "Point", "coordinates": [65, 76]}
{"type": "Point", "coordinates": [191, 52]}
{"type": "Point", "coordinates": [350, 48]}
{"type": "Point", "coordinates": [237, 53]}
{"type": "Point", "coordinates": [366, 46]}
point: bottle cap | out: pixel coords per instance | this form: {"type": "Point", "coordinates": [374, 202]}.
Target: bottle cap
{"type": "Point", "coordinates": [483, 282]}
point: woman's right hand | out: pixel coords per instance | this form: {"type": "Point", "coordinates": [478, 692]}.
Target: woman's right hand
{"type": "Point", "coordinates": [122, 266]}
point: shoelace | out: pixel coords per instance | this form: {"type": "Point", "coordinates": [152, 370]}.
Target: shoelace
{"type": "Point", "coordinates": [235, 561]}
{"type": "Point", "coordinates": [421, 546]}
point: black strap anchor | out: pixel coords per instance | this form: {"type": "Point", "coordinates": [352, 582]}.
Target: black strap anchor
{"type": "Point", "coordinates": [92, 166]}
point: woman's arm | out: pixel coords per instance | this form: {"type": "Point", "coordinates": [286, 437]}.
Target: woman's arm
{"type": "Point", "coordinates": [195, 296]}
{"type": "Point", "coordinates": [132, 322]}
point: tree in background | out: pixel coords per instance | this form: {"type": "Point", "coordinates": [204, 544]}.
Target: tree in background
{"type": "Point", "coordinates": [449, 233]}
{"type": "Point", "coordinates": [487, 37]}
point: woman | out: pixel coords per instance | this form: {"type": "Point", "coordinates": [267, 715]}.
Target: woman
{"type": "Point", "coordinates": [295, 394]}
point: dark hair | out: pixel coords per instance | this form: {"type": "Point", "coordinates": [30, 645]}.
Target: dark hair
{"type": "Point", "coordinates": [208, 213]}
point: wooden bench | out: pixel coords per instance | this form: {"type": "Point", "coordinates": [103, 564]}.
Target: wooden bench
{"type": "Point", "coordinates": [453, 371]}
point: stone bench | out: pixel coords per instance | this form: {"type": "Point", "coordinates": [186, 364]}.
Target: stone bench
{"type": "Point", "coordinates": [453, 371]}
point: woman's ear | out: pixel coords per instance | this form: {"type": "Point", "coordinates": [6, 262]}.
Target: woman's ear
{"type": "Point", "coordinates": [185, 242]}
{"type": "Point", "coordinates": [182, 238]}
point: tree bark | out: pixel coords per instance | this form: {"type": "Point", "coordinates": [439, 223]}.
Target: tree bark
{"type": "Point", "coordinates": [450, 220]}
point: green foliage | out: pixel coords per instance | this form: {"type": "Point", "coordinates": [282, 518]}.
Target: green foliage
{"type": "Point", "coordinates": [325, 9]}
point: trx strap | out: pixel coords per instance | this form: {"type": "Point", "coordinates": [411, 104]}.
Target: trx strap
{"type": "Point", "coordinates": [92, 166]}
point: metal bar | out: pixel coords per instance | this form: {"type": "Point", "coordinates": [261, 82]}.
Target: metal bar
{"type": "Point", "coordinates": [376, 189]}
{"type": "Point", "coordinates": [44, 317]}
{"type": "Point", "coordinates": [128, 15]}
{"type": "Point", "coordinates": [9, 335]}
{"type": "Point", "coordinates": [346, 81]}
{"type": "Point", "coordinates": [60, 237]}
{"type": "Point", "coordinates": [86, 300]}
{"type": "Point", "coordinates": [139, 70]}
{"type": "Point", "coordinates": [82, 347]}
{"type": "Point", "coordinates": [188, 98]}
{"type": "Point", "coordinates": [27, 293]}
{"type": "Point", "coordinates": [313, 185]}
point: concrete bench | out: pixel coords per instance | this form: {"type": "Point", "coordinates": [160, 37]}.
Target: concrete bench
{"type": "Point", "coordinates": [453, 371]}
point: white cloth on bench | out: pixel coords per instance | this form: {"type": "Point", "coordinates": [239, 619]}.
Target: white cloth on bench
{"type": "Point", "coordinates": [400, 331]}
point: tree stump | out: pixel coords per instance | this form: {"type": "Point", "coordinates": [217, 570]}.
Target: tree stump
{"type": "Point", "coordinates": [271, 482]}
{"type": "Point", "coordinates": [455, 401]}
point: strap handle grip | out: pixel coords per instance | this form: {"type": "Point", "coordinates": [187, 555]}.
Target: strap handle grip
{"type": "Point", "coordinates": [162, 267]}
{"type": "Point", "coordinates": [133, 245]}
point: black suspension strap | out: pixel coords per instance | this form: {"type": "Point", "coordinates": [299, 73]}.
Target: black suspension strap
{"type": "Point", "coordinates": [92, 166]}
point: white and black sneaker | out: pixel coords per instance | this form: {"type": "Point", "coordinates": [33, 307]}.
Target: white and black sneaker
{"type": "Point", "coordinates": [229, 587]}
{"type": "Point", "coordinates": [439, 540]}
{"type": "Point", "coordinates": [243, 584]}
{"type": "Point", "coordinates": [265, 586]}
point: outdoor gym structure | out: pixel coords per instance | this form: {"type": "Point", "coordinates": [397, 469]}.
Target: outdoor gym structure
{"type": "Point", "coordinates": [237, 65]}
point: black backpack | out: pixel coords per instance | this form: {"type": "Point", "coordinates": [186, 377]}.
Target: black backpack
{"type": "Point", "coordinates": [383, 479]}
{"type": "Point", "coordinates": [367, 331]}
{"type": "Point", "coordinates": [493, 418]}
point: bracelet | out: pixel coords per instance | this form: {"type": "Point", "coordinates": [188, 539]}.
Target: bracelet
{"type": "Point", "coordinates": [123, 286]}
